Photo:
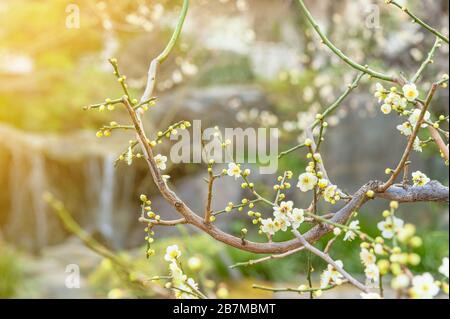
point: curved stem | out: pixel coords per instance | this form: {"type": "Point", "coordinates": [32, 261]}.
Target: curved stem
{"type": "Point", "coordinates": [411, 141]}
{"type": "Point", "coordinates": [419, 21]}
{"type": "Point", "coordinates": [427, 61]}
{"type": "Point", "coordinates": [330, 261]}
{"type": "Point", "coordinates": [176, 33]}
{"type": "Point", "coordinates": [340, 99]}
{"type": "Point", "coordinates": [300, 291]}
{"type": "Point", "coordinates": [339, 53]}
{"type": "Point", "coordinates": [154, 65]}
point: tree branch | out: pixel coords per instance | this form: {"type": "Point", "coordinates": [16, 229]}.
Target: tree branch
{"type": "Point", "coordinates": [431, 192]}
{"type": "Point", "coordinates": [190, 217]}
{"type": "Point", "coordinates": [330, 261]}
{"type": "Point", "coordinates": [411, 141]}
{"type": "Point", "coordinates": [419, 21]}
{"type": "Point", "coordinates": [339, 53]}
{"type": "Point", "coordinates": [154, 65]}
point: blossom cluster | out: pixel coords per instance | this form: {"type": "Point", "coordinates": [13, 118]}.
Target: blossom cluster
{"type": "Point", "coordinates": [183, 286]}
{"type": "Point", "coordinates": [146, 211]}
{"type": "Point", "coordinates": [284, 216]}
{"type": "Point", "coordinates": [393, 100]}
{"type": "Point", "coordinates": [332, 275]}
{"type": "Point", "coordinates": [380, 258]}
{"type": "Point", "coordinates": [313, 178]}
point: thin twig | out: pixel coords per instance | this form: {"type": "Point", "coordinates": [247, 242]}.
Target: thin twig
{"type": "Point", "coordinates": [427, 61]}
{"type": "Point", "coordinates": [330, 261]}
{"type": "Point", "coordinates": [339, 53]}
{"type": "Point", "coordinates": [209, 197]}
{"type": "Point", "coordinates": [267, 258]}
{"type": "Point", "coordinates": [418, 20]}
{"type": "Point", "coordinates": [411, 141]}
{"type": "Point", "coordinates": [300, 291]}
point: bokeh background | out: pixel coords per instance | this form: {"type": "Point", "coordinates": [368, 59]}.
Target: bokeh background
{"type": "Point", "coordinates": [239, 63]}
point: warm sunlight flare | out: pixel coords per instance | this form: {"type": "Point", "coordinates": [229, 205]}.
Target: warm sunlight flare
{"type": "Point", "coordinates": [216, 149]}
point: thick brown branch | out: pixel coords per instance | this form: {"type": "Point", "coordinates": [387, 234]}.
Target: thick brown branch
{"type": "Point", "coordinates": [432, 192]}
{"type": "Point", "coordinates": [163, 222]}
{"type": "Point", "coordinates": [358, 199]}
{"type": "Point", "coordinates": [189, 217]}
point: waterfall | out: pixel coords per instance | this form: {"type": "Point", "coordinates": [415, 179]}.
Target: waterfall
{"type": "Point", "coordinates": [106, 204]}
{"type": "Point", "coordinates": [37, 185]}
{"type": "Point", "coordinates": [26, 189]}
{"type": "Point", "coordinates": [16, 189]}
{"type": "Point", "coordinates": [85, 179]}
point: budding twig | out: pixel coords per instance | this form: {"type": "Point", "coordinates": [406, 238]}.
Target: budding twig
{"type": "Point", "coordinates": [270, 257]}
{"type": "Point", "coordinates": [163, 222]}
{"type": "Point", "coordinates": [328, 111]}
{"type": "Point", "coordinates": [72, 226]}
{"type": "Point", "coordinates": [411, 140]}
{"type": "Point", "coordinates": [418, 20]}
{"type": "Point", "coordinates": [339, 53]}
{"type": "Point", "coordinates": [300, 291]}
{"type": "Point", "coordinates": [330, 261]}
{"type": "Point", "coordinates": [427, 61]}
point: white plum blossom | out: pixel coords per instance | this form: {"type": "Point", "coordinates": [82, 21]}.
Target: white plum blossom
{"type": "Point", "coordinates": [405, 128]}
{"type": "Point", "coordinates": [183, 291]}
{"type": "Point", "coordinates": [443, 269]}
{"type": "Point", "coordinates": [160, 161]}
{"type": "Point", "coordinates": [269, 227]}
{"type": "Point", "coordinates": [415, 115]}
{"type": "Point", "coordinates": [367, 258]}
{"type": "Point", "coordinates": [323, 182]}
{"type": "Point", "coordinates": [176, 272]}
{"type": "Point", "coordinates": [182, 286]}
{"type": "Point", "coordinates": [282, 220]}
{"type": "Point", "coordinates": [410, 92]}
{"type": "Point", "coordinates": [329, 194]}
{"type": "Point", "coordinates": [172, 253]}
{"type": "Point", "coordinates": [420, 179]}
{"type": "Point", "coordinates": [307, 181]}
{"type": "Point", "coordinates": [386, 108]}
{"type": "Point", "coordinates": [424, 287]}
{"type": "Point", "coordinates": [129, 156]}
{"type": "Point", "coordinates": [372, 272]}
{"type": "Point", "coordinates": [234, 170]}
{"type": "Point", "coordinates": [350, 234]}
{"type": "Point", "coordinates": [417, 146]}
{"type": "Point", "coordinates": [393, 99]}
{"type": "Point", "coordinates": [378, 249]}
{"type": "Point", "coordinates": [297, 217]}
{"type": "Point", "coordinates": [284, 207]}
{"type": "Point", "coordinates": [331, 275]}
{"type": "Point", "coordinates": [192, 284]}
{"type": "Point", "coordinates": [390, 226]}
{"type": "Point", "coordinates": [310, 169]}
{"type": "Point", "coordinates": [380, 92]}
{"type": "Point", "coordinates": [400, 282]}
{"type": "Point", "coordinates": [185, 288]}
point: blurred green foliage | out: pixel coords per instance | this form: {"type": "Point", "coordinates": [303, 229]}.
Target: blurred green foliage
{"type": "Point", "coordinates": [11, 275]}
